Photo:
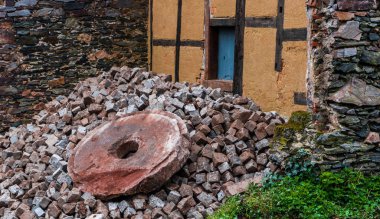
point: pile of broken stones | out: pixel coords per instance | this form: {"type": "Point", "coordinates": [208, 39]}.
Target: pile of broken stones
{"type": "Point", "coordinates": [230, 149]}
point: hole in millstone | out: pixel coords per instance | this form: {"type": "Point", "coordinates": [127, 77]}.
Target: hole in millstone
{"type": "Point", "coordinates": [127, 149]}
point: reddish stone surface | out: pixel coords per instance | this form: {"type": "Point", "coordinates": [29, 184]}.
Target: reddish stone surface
{"type": "Point", "coordinates": [6, 37]}
{"type": "Point", "coordinates": [344, 16]}
{"type": "Point", "coordinates": [242, 186]}
{"type": "Point", "coordinates": [134, 154]}
{"type": "Point", "coordinates": [373, 138]}
{"type": "Point", "coordinates": [356, 5]}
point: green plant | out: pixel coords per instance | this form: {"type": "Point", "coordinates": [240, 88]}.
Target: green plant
{"type": "Point", "coordinates": [231, 209]}
{"type": "Point", "coordinates": [298, 164]}
{"type": "Point", "coordinates": [347, 194]}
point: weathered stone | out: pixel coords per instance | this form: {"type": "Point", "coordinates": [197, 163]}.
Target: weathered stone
{"type": "Point", "coordinates": [261, 145]}
{"type": "Point", "coordinates": [213, 177]}
{"type": "Point", "coordinates": [20, 13]}
{"type": "Point", "coordinates": [357, 92]}
{"type": "Point", "coordinates": [174, 197]}
{"type": "Point", "coordinates": [370, 57]}
{"type": "Point", "coordinates": [74, 195]}
{"type": "Point", "coordinates": [260, 131]}
{"type": "Point", "coordinates": [350, 31]}
{"type": "Point", "coordinates": [185, 204]}
{"type": "Point", "coordinates": [219, 158]}
{"type": "Point", "coordinates": [53, 210]}
{"type": "Point", "coordinates": [356, 5]}
{"type": "Point", "coordinates": [25, 3]}
{"type": "Point", "coordinates": [346, 52]}
{"type": "Point", "coordinates": [51, 140]}
{"type": "Point", "coordinates": [8, 90]}
{"type": "Point", "coordinates": [205, 198]}
{"type": "Point", "coordinates": [139, 203]}
{"type": "Point", "coordinates": [344, 16]}
{"type": "Point", "coordinates": [186, 190]}
{"type": "Point", "coordinates": [242, 115]}
{"type": "Point", "coordinates": [69, 208]}
{"type": "Point", "coordinates": [39, 212]}
{"type": "Point", "coordinates": [374, 37]}
{"type": "Point", "coordinates": [262, 159]}
{"type": "Point", "coordinates": [200, 178]}
{"type": "Point", "coordinates": [242, 186]}
{"type": "Point", "coordinates": [373, 138]}
{"type": "Point", "coordinates": [156, 202]}
{"type": "Point", "coordinates": [356, 147]}
{"type": "Point", "coordinates": [217, 119]}
{"type": "Point", "coordinates": [199, 138]}
{"type": "Point", "coordinates": [251, 166]}
{"type": "Point", "coordinates": [95, 216]}
{"type": "Point", "coordinates": [157, 153]}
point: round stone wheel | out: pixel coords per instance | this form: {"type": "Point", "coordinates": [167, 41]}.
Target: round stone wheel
{"type": "Point", "coordinates": [134, 154]}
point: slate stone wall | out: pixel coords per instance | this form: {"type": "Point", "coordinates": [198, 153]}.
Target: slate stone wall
{"type": "Point", "coordinates": [345, 81]}
{"type": "Point", "coordinates": [46, 46]}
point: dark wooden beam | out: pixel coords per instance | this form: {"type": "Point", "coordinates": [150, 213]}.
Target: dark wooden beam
{"type": "Point", "coordinates": [239, 47]}
{"type": "Point", "coordinates": [265, 22]}
{"type": "Point", "coordinates": [164, 42]}
{"type": "Point", "coordinates": [279, 35]}
{"type": "Point", "coordinates": [151, 34]}
{"type": "Point", "coordinates": [222, 22]}
{"type": "Point", "coordinates": [193, 43]}
{"type": "Point", "coordinates": [297, 34]}
{"type": "Point", "coordinates": [224, 85]}
{"type": "Point", "coordinates": [178, 41]}
{"type": "Point", "coordinates": [189, 43]}
{"type": "Point", "coordinates": [207, 39]}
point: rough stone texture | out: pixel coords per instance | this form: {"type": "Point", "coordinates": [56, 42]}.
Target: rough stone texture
{"type": "Point", "coordinates": [140, 152]}
{"type": "Point", "coordinates": [357, 92]}
{"type": "Point", "coordinates": [356, 5]}
{"type": "Point", "coordinates": [47, 46]}
{"type": "Point", "coordinates": [344, 88]}
{"type": "Point", "coordinates": [34, 177]}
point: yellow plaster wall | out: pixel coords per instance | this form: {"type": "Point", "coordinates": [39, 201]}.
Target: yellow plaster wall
{"type": "Point", "coordinates": [165, 19]}
{"type": "Point", "coordinates": [223, 8]}
{"type": "Point", "coordinates": [269, 89]}
{"type": "Point", "coordinates": [190, 63]}
{"type": "Point", "coordinates": [163, 59]}
{"type": "Point", "coordinates": [293, 76]}
{"type": "Point", "coordinates": [192, 20]}
{"type": "Point", "coordinates": [259, 77]}
{"type": "Point", "coordinates": [261, 8]}
{"type": "Point", "coordinates": [295, 14]}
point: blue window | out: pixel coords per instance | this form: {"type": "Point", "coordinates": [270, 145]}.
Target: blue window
{"type": "Point", "coordinates": [226, 48]}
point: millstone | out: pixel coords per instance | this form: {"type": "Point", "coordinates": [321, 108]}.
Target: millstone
{"type": "Point", "coordinates": [137, 153]}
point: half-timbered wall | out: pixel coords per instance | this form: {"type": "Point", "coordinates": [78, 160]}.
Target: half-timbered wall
{"type": "Point", "coordinates": [275, 47]}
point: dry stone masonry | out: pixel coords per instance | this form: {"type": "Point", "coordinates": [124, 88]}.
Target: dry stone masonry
{"type": "Point", "coordinates": [344, 81]}
{"type": "Point", "coordinates": [47, 46]}
{"type": "Point", "coordinates": [230, 148]}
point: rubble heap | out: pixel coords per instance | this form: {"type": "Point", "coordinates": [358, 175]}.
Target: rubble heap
{"type": "Point", "coordinates": [230, 142]}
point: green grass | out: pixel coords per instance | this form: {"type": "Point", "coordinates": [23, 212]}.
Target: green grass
{"type": "Point", "coordinates": [347, 194]}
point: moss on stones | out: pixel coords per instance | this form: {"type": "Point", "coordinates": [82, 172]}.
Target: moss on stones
{"type": "Point", "coordinates": [285, 134]}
